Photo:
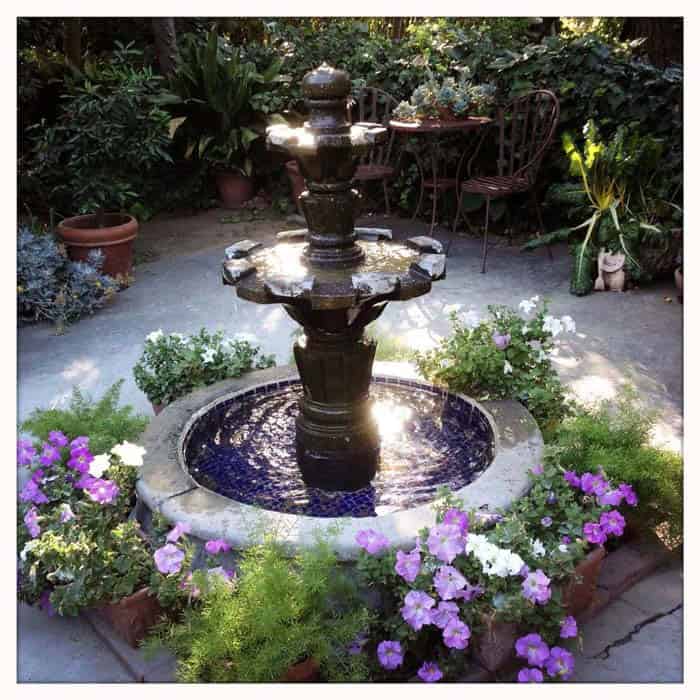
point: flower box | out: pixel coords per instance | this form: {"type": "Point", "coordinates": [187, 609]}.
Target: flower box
{"type": "Point", "coordinates": [578, 592]}
{"type": "Point", "coordinates": [304, 672]}
{"type": "Point", "coordinates": [495, 646]}
{"type": "Point", "coordinates": [133, 616]}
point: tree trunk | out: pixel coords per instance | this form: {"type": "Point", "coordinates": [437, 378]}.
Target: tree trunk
{"type": "Point", "coordinates": [166, 43]}
{"type": "Point", "coordinates": [664, 37]}
{"type": "Point", "coordinates": [72, 28]}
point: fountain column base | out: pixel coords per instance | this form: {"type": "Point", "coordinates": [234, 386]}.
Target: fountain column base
{"type": "Point", "coordinates": [337, 437]}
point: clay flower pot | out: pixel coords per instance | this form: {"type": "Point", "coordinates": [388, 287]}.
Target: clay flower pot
{"type": "Point", "coordinates": [132, 617]}
{"type": "Point", "coordinates": [495, 645]}
{"type": "Point", "coordinates": [296, 180]}
{"type": "Point", "coordinates": [304, 672]}
{"type": "Point", "coordinates": [81, 235]}
{"type": "Point", "coordinates": [578, 593]}
{"type": "Point", "coordinates": [234, 189]}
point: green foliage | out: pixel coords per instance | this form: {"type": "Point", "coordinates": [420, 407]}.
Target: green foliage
{"type": "Point", "coordinates": [110, 136]}
{"type": "Point", "coordinates": [616, 434]}
{"type": "Point", "coordinates": [52, 287]}
{"type": "Point", "coordinates": [281, 611]}
{"type": "Point", "coordinates": [173, 365]}
{"type": "Point", "coordinates": [469, 361]}
{"type": "Point", "coordinates": [103, 420]}
{"type": "Point", "coordinates": [220, 106]}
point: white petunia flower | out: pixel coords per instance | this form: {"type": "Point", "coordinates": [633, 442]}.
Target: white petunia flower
{"type": "Point", "coordinates": [507, 367]}
{"type": "Point", "coordinates": [470, 319]}
{"type": "Point", "coordinates": [131, 455]}
{"type": "Point", "coordinates": [569, 324]}
{"type": "Point", "coordinates": [98, 465]}
{"type": "Point", "coordinates": [179, 336]}
{"type": "Point", "coordinates": [542, 356]}
{"type": "Point", "coordinates": [155, 336]}
{"type": "Point", "coordinates": [208, 355]}
{"type": "Point", "coordinates": [526, 306]}
{"type": "Point", "coordinates": [538, 549]}
{"type": "Point", "coordinates": [525, 329]}
{"type": "Point", "coordinates": [563, 548]}
{"type": "Point", "coordinates": [552, 325]}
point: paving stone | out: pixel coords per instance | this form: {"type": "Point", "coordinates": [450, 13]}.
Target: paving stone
{"type": "Point", "coordinates": [629, 564]}
{"type": "Point", "coordinates": [617, 620]}
{"type": "Point", "coordinates": [660, 592]}
{"type": "Point", "coordinates": [63, 649]}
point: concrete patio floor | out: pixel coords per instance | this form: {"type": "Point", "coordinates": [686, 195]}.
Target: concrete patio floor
{"type": "Point", "coordinates": [636, 336]}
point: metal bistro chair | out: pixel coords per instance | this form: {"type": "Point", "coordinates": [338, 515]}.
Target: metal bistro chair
{"type": "Point", "coordinates": [375, 105]}
{"type": "Point", "coordinates": [526, 128]}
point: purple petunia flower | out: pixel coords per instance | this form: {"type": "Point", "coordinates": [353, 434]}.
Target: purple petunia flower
{"type": "Point", "coordinates": [469, 592]}
{"type": "Point", "coordinates": [25, 452]}
{"type": "Point", "coordinates": [371, 541]}
{"type": "Point", "coordinates": [80, 459]}
{"type": "Point", "coordinates": [501, 341]}
{"type": "Point", "coordinates": [169, 559]}
{"type": "Point", "coordinates": [56, 437]}
{"type": "Point", "coordinates": [546, 521]}
{"type": "Point", "coordinates": [49, 455]}
{"type": "Point", "coordinates": [456, 634]}
{"type": "Point", "coordinates": [390, 655]}
{"type": "Point", "coordinates": [102, 491]}
{"type": "Point", "coordinates": [215, 546]}
{"type": "Point", "coordinates": [594, 483]}
{"type": "Point", "coordinates": [560, 663]}
{"type": "Point", "coordinates": [80, 443]}
{"type": "Point", "coordinates": [566, 539]}
{"type": "Point", "coordinates": [357, 644]}
{"type": "Point", "coordinates": [67, 513]}
{"type": "Point", "coordinates": [448, 581]}
{"type": "Point", "coordinates": [536, 588]}
{"type": "Point", "coordinates": [44, 603]}
{"type": "Point", "coordinates": [538, 469]}
{"type": "Point", "coordinates": [594, 533]}
{"type": "Point", "coordinates": [37, 476]}
{"type": "Point", "coordinates": [533, 648]}
{"type": "Point", "coordinates": [177, 532]}
{"type": "Point", "coordinates": [445, 542]}
{"type": "Point", "coordinates": [551, 498]}
{"type": "Point", "coordinates": [85, 481]}
{"type": "Point", "coordinates": [457, 517]}
{"type": "Point", "coordinates": [612, 523]}
{"type": "Point", "coordinates": [573, 479]}
{"type": "Point", "coordinates": [568, 628]}
{"type": "Point", "coordinates": [444, 612]}
{"type": "Point", "coordinates": [530, 675]}
{"type": "Point", "coordinates": [407, 565]}
{"type": "Point", "coordinates": [611, 498]}
{"type": "Point", "coordinates": [32, 493]}
{"type": "Point", "coordinates": [416, 609]}
{"type": "Point", "coordinates": [629, 495]}
{"type": "Point", "coordinates": [429, 672]}
{"type": "Point", "coordinates": [31, 520]}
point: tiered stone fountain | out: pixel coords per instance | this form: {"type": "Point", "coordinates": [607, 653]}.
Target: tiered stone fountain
{"type": "Point", "coordinates": [334, 448]}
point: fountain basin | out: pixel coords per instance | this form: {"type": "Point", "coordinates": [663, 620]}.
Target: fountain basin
{"type": "Point", "coordinates": [510, 445]}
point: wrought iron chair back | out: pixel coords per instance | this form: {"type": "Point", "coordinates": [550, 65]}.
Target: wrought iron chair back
{"type": "Point", "coordinates": [374, 105]}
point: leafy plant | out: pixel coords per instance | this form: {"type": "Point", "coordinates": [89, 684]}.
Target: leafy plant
{"type": "Point", "coordinates": [281, 611]}
{"type": "Point", "coordinates": [217, 117]}
{"type": "Point", "coordinates": [111, 134]}
{"type": "Point", "coordinates": [106, 422]}
{"type": "Point", "coordinates": [173, 365]}
{"type": "Point", "coordinates": [503, 357]}
{"type": "Point", "coordinates": [52, 287]}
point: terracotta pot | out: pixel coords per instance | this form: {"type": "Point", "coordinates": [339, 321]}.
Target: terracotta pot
{"type": "Point", "coordinates": [132, 617]}
{"type": "Point", "coordinates": [304, 672]}
{"type": "Point", "coordinates": [296, 180]}
{"type": "Point", "coordinates": [578, 593]}
{"type": "Point", "coordinates": [495, 645]}
{"type": "Point", "coordinates": [82, 235]}
{"type": "Point", "coordinates": [234, 189]}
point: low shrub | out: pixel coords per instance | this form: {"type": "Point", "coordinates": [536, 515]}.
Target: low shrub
{"type": "Point", "coordinates": [103, 420]}
{"type": "Point", "coordinates": [504, 356]}
{"type": "Point", "coordinates": [281, 611]}
{"type": "Point", "coordinates": [172, 365]}
{"type": "Point", "coordinates": [50, 287]}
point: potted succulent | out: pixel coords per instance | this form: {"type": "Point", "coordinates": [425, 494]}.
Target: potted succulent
{"type": "Point", "coordinates": [174, 364]}
{"type": "Point", "coordinates": [215, 116]}
{"type": "Point", "coordinates": [110, 136]}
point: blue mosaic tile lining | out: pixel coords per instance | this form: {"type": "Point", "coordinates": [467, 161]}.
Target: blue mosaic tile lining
{"type": "Point", "coordinates": [244, 449]}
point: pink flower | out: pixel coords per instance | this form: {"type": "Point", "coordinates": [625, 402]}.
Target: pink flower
{"type": "Point", "coordinates": [533, 648]}
{"type": "Point", "coordinates": [572, 479]}
{"type": "Point", "coordinates": [372, 541]}
{"type": "Point", "coordinates": [629, 495]}
{"type": "Point", "coordinates": [216, 546]}
{"type": "Point", "coordinates": [169, 559]}
{"type": "Point", "coordinates": [538, 470]}
{"type": "Point", "coordinates": [49, 455]}
{"type": "Point", "coordinates": [429, 672]}
{"type": "Point", "coordinates": [560, 663]}
{"type": "Point", "coordinates": [448, 581]}
{"type": "Point", "coordinates": [80, 459]}
{"type": "Point", "coordinates": [444, 612]}
{"type": "Point", "coordinates": [612, 523]}
{"type": "Point", "coordinates": [102, 491]}
{"type": "Point", "coordinates": [80, 443]}
{"type": "Point", "coordinates": [31, 520]}
{"type": "Point", "coordinates": [536, 587]}
{"type": "Point", "coordinates": [594, 483]}
{"type": "Point", "coordinates": [530, 675]}
{"type": "Point", "coordinates": [456, 634]}
{"type": "Point", "coordinates": [568, 628]}
{"type": "Point", "coordinates": [594, 533]}
{"type": "Point", "coordinates": [56, 437]}
{"type": "Point", "coordinates": [611, 498]}
{"type": "Point", "coordinates": [177, 532]}
{"type": "Point", "coordinates": [390, 654]}
{"type": "Point", "coordinates": [501, 341]}
{"type": "Point", "coordinates": [407, 565]}
{"type": "Point", "coordinates": [457, 517]}
{"type": "Point", "coordinates": [416, 609]}
{"type": "Point", "coordinates": [25, 452]}
{"type": "Point", "coordinates": [32, 493]}
{"type": "Point", "coordinates": [445, 542]}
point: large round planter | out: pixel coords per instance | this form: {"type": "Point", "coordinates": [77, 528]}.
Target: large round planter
{"type": "Point", "coordinates": [296, 180]}
{"type": "Point", "coordinates": [578, 594]}
{"type": "Point", "coordinates": [82, 235]}
{"type": "Point", "coordinates": [234, 189]}
{"type": "Point", "coordinates": [132, 617]}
